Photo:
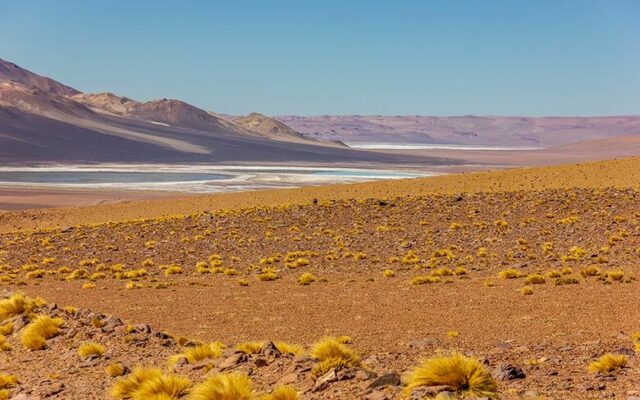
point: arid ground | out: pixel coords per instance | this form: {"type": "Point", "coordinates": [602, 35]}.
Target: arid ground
{"type": "Point", "coordinates": [532, 271]}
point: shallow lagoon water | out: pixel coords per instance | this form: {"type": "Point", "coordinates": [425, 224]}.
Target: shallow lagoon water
{"type": "Point", "coordinates": [432, 146]}
{"type": "Point", "coordinates": [188, 178]}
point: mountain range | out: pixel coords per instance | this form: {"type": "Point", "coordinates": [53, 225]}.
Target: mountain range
{"type": "Point", "coordinates": [536, 132]}
{"type": "Point", "coordinates": [42, 120]}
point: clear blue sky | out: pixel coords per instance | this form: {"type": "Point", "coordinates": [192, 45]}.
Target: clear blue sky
{"type": "Point", "coordinates": [444, 57]}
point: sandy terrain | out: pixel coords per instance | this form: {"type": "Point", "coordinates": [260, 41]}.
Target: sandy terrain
{"type": "Point", "coordinates": [19, 198]}
{"type": "Point", "coordinates": [570, 236]}
{"type": "Point", "coordinates": [583, 151]}
{"type": "Point", "coordinates": [614, 173]}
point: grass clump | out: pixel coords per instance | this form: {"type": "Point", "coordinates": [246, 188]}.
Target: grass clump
{"type": "Point", "coordinates": [150, 383]}
{"type": "Point", "coordinates": [35, 335]}
{"type": "Point", "coordinates": [115, 370]}
{"type": "Point", "coordinates": [8, 381]}
{"type": "Point", "coordinates": [6, 329]}
{"type": "Point", "coordinates": [91, 349]}
{"type": "Point", "coordinates": [526, 290]}
{"type": "Point", "coordinates": [465, 375]}
{"type": "Point", "coordinates": [608, 363]}
{"type": "Point", "coordinates": [566, 280]}
{"type": "Point", "coordinates": [590, 271]}
{"type": "Point", "coordinates": [173, 270]}
{"type": "Point", "coordinates": [250, 347]}
{"type": "Point", "coordinates": [162, 387]}
{"type": "Point", "coordinates": [332, 353]}
{"type": "Point", "coordinates": [554, 274]}
{"type": "Point", "coordinates": [267, 274]}
{"type": "Point", "coordinates": [421, 280]}
{"type": "Point", "coordinates": [224, 387]}
{"type": "Point", "coordinates": [535, 279]}
{"type": "Point", "coordinates": [198, 353]}
{"type": "Point", "coordinates": [281, 393]}
{"type": "Point", "coordinates": [133, 285]}
{"type": "Point", "coordinates": [389, 273]}
{"type": "Point", "coordinates": [16, 305]}
{"type": "Point", "coordinates": [510, 273]}
{"type": "Point", "coordinates": [289, 348]}
{"type": "Point", "coordinates": [125, 387]}
{"type": "Point", "coordinates": [306, 279]}
{"type": "Point", "coordinates": [615, 275]}
{"type": "Point", "coordinates": [4, 346]}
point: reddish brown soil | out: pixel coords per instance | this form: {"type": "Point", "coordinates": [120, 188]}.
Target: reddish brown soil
{"type": "Point", "coordinates": [389, 319]}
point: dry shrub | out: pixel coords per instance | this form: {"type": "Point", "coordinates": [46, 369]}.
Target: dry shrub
{"type": "Point", "coordinates": [465, 376]}
{"type": "Point", "coordinates": [90, 349]}
{"type": "Point", "coordinates": [332, 353]}
{"type": "Point", "coordinates": [224, 387]}
{"type": "Point", "coordinates": [608, 363]}
{"type": "Point", "coordinates": [37, 332]}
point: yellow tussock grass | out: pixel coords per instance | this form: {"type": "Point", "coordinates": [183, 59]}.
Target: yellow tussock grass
{"type": "Point", "coordinates": [282, 393]}
{"type": "Point", "coordinates": [510, 273]}
{"type": "Point", "coordinates": [4, 346]}
{"type": "Point", "coordinates": [306, 279]}
{"type": "Point", "coordinates": [250, 347]}
{"type": "Point", "coordinates": [608, 363]}
{"type": "Point", "coordinates": [125, 387]}
{"type": "Point", "coordinates": [289, 348]}
{"type": "Point", "coordinates": [526, 290]}
{"type": "Point", "coordinates": [198, 353]}
{"type": "Point", "coordinates": [332, 353]}
{"type": "Point", "coordinates": [224, 387]}
{"type": "Point", "coordinates": [115, 370]}
{"type": "Point", "coordinates": [535, 279]}
{"type": "Point", "coordinates": [169, 386]}
{"type": "Point", "coordinates": [465, 375]}
{"type": "Point", "coordinates": [35, 335]}
{"type": "Point", "coordinates": [90, 349]}
{"type": "Point", "coordinates": [16, 305]}
{"type": "Point", "coordinates": [6, 329]}
{"type": "Point", "coordinates": [8, 381]}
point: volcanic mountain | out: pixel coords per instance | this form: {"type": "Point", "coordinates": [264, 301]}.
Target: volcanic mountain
{"type": "Point", "coordinates": [42, 120]}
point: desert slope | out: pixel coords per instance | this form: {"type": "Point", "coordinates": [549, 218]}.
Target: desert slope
{"type": "Point", "coordinates": [11, 72]}
{"type": "Point", "coordinates": [44, 121]}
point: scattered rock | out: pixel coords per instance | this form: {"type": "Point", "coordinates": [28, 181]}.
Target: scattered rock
{"type": "Point", "coordinates": [377, 395]}
{"type": "Point", "coordinates": [325, 380]}
{"type": "Point", "coordinates": [507, 372]}
{"type": "Point", "coordinates": [390, 379]}
{"type": "Point", "coordinates": [442, 391]}
{"type": "Point", "coordinates": [346, 374]}
{"type": "Point", "coordinates": [20, 322]}
{"type": "Point", "coordinates": [232, 361]}
{"type": "Point", "coordinates": [142, 328]}
{"type": "Point", "coordinates": [422, 343]}
{"type": "Point", "coordinates": [288, 379]}
{"type": "Point", "coordinates": [270, 349]}
{"type": "Point", "coordinates": [112, 321]}
{"type": "Point", "coordinates": [53, 389]}
{"type": "Point", "coordinates": [261, 362]}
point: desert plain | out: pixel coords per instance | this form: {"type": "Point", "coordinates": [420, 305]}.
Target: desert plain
{"type": "Point", "coordinates": [530, 272]}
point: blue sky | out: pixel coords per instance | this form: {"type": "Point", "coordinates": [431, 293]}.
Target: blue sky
{"type": "Point", "coordinates": [340, 57]}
